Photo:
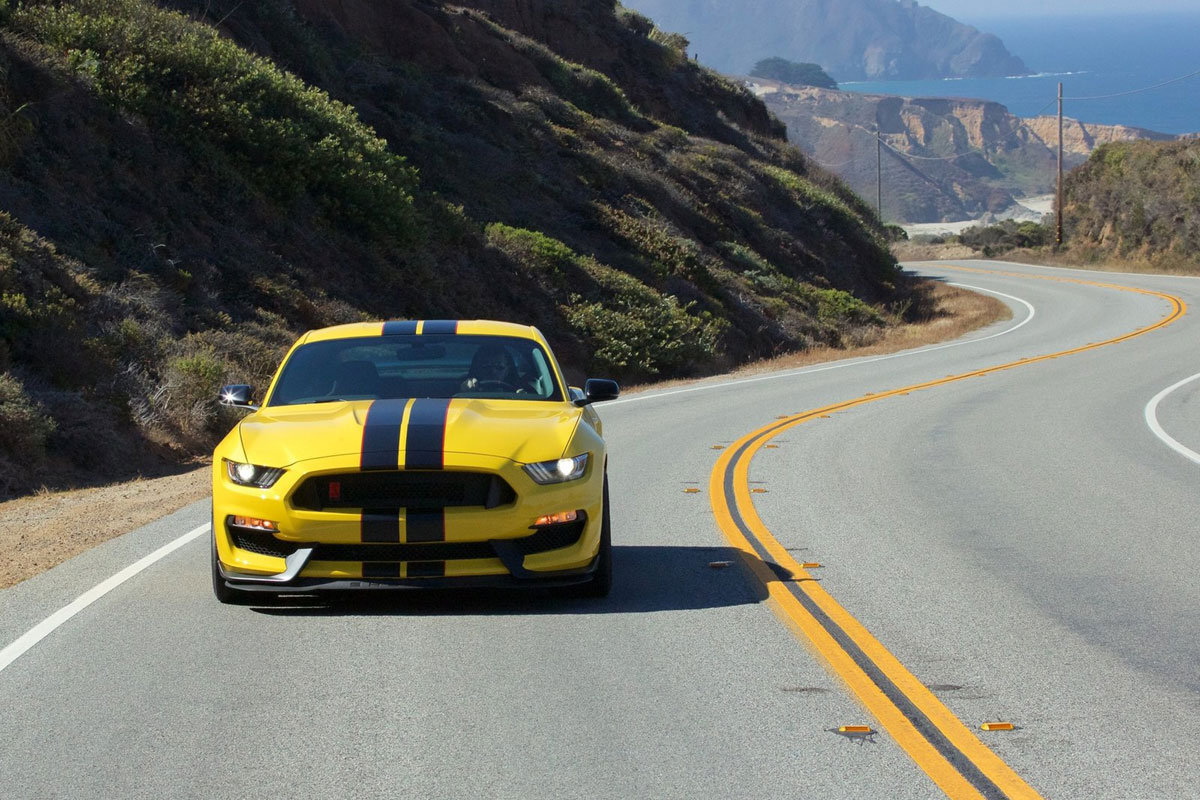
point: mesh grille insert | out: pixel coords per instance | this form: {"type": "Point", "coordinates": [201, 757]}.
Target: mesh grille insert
{"type": "Point", "coordinates": [261, 542]}
{"type": "Point", "coordinates": [401, 489]}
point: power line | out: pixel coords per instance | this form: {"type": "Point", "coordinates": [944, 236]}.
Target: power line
{"type": "Point", "coordinates": [830, 166]}
{"type": "Point", "coordinates": [902, 154]}
{"type": "Point", "coordinates": [1136, 91]}
{"type": "Point", "coordinates": [1038, 113]}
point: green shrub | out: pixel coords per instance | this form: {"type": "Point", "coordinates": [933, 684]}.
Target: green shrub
{"type": "Point", "coordinates": [191, 384]}
{"type": "Point", "coordinates": [188, 82]}
{"type": "Point", "coordinates": [667, 252]}
{"type": "Point", "coordinates": [24, 426]}
{"type": "Point", "coordinates": [672, 41]}
{"type": "Point", "coordinates": [1006, 235]}
{"type": "Point", "coordinates": [586, 88]}
{"type": "Point", "coordinates": [643, 339]}
{"type": "Point", "coordinates": [629, 329]}
{"type": "Point", "coordinates": [636, 21]}
{"type": "Point", "coordinates": [1136, 200]}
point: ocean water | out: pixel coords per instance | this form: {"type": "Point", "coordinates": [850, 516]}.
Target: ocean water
{"type": "Point", "coordinates": [1093, 57]}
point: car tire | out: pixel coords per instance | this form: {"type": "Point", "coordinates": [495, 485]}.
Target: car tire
{"type": "Point", "coordinates": [601, 584]}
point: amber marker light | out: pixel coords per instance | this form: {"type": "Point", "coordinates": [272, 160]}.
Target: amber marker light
{"type": "Point", "coordinates": [556, 519]}
{"type": "Point", "coordinates": [256, 523]}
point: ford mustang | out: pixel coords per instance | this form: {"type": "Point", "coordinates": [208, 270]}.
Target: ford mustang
{"type": "Point", "coordinates": [413, 454]}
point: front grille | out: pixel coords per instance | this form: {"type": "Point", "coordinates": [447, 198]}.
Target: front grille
{"type": "Point", "coordinates": [552, 537]}
{"type": "Point", "coordinates": [261, 542]}
{"type": "Point", "coordinates": [400, 489]}
{"type": "Point", "coordinates": [549, 538]}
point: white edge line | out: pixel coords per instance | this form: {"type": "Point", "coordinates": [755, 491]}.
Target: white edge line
{"type": "Point", "coordinates": [842, 364]}
{"type": "Point", "coordinates": [47, 626]}
{"type": "Point", "coordinates": [948, 264]}
{"type": "Point", "coordinates": [1157, 430]}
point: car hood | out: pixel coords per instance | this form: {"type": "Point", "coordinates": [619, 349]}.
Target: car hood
{"type": "Point", "coordinates": [523, 431]}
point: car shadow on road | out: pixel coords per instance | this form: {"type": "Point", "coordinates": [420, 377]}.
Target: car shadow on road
{"type": "Point", "coordinates": [645, 579]}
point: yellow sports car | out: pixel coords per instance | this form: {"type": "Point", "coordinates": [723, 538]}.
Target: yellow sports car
{"type": "Point", "coordinates": [413, 454]}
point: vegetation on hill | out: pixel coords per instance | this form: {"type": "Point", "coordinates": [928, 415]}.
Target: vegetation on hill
{"type": "Point", "coordinates": [794, 73]}
{"type": "Point", "coordinates": [1138, 201]}
{"type": "Point", "coordinates": [179, 200]}
{"type": "Point", "coordinates": [1132, 204]}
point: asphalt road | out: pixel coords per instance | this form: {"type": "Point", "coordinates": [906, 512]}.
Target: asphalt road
{"type": "Point", "coordinates": [1022, 542]}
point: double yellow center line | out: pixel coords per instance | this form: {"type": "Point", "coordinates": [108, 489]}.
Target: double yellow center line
{"type": "Point", "coordinates": [951, 754]}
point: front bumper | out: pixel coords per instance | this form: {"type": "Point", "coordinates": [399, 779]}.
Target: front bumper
{"type": "Point", "coordinates": [320, 550]}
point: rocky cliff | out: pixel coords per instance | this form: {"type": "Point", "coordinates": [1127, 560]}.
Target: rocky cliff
{"type": "Point", "coordinates": [1081, 138]}
{"type": "Point", "coordinates": [942, 158]}
{"type": "Point", "coordinates": [850, 39]}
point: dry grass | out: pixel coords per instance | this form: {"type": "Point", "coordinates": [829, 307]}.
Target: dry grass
{"type": "Point", "coordinates": [43, 530]}
{"type": "Point", "coordinates": [1073, 260]}
{"type": "Point", "coordinates": [916, 251]}
{"type": "Point", "coordinates": [1048, 256]}
{"type": "Point", "coordinates": [956, 312]}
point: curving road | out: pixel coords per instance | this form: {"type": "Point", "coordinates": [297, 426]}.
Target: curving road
{"type": "Point", "coordinates": [1018, 546]}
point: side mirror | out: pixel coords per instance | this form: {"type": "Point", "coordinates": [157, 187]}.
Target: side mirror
{"type": "Point", "coordinates": [597, 389]}
{"type": "Point", "coordinates": [237, 394]}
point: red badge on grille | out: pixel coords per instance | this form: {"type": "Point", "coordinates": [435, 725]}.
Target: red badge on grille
{"type": "Point", "coordinates": [335, 490]}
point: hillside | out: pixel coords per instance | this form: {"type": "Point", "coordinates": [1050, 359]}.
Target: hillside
{"type": "Point", "coordinates": [178, 201]}
{"type": "Point", "coordinates": [961, 158]}
{"type": "Point", "coordinates": [1137, 202]}
{"type": "Point", "coordinates": [851, 39]}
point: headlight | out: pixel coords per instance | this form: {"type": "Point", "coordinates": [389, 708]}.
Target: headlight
{"type": "Point", "coordinates": [558, 471]}
{"type": "Point", "coordinates": [251, 474]}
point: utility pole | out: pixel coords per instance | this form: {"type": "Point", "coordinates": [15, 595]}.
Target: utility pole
{"type": "Point", "coordinates": [1058, 200]}
{"type": "Point", "coordinates": [878, 174]}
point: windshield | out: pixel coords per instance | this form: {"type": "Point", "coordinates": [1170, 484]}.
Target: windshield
{"type": "Point", "coordinates": [388, 367]}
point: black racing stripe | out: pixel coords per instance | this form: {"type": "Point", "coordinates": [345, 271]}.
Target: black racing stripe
{"type": "Point", "coordinates": [440, 326]}
{"type": "Point", "coordinates": [381, 525]}
{"type": "Point", "coordinates": [381, 435]}
{"type": "Point", "coordinates": [919, 720]}
{"type": "Point", "coordinates": [381, 569]}
{"type": "Point", "coordinates": [425, 525]}
{"type": "Point", "coordinates": [400, 327]}
{"type": "Point", "coordinates": [425, 440]}
{"type": "Point", "coordinates": [426, 569]}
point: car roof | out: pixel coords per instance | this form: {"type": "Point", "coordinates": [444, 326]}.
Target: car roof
{"type": "Point", "coordinates": [478, 327]}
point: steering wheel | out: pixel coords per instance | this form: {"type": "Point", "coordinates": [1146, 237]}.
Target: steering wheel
{"type": "Point", "coordinates": [493, 386]}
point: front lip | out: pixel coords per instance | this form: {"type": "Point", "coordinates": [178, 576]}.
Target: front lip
{"type": "Point", "coordinates": [549, 580]}
{"type": "Point", "coordinates": [295, 562]}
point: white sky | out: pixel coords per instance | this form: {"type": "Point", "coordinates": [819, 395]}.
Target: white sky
{"type": "Point", "coordinates": [977, 9]}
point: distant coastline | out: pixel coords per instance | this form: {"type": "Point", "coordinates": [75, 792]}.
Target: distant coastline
{"type": "Point", "coordinates": [1091, 56]}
